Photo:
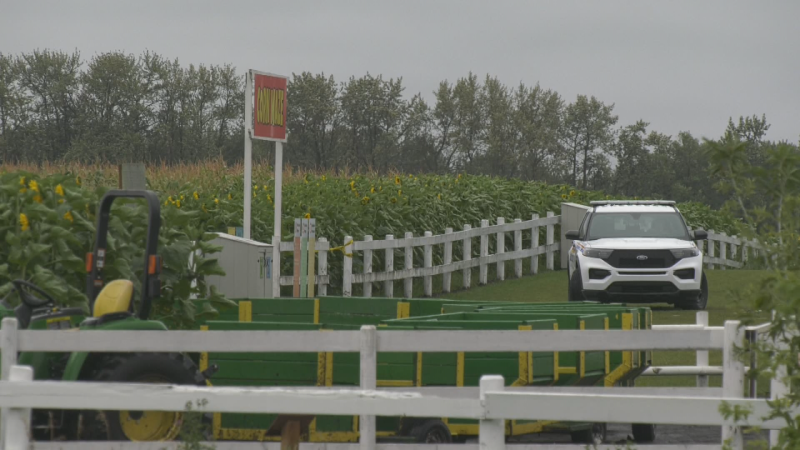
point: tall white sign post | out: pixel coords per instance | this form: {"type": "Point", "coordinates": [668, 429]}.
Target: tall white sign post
{"type": "Point", "coordinates": [265, 98]}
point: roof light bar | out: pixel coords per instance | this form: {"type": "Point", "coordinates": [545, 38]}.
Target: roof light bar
{"type": "Point", "coordinates": [632, 202]}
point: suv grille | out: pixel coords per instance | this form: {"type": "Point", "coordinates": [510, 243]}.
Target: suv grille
{"type": "Point", "coordinates": [629, 259]}
{"type": "Point", "coordinates": [641, 287]}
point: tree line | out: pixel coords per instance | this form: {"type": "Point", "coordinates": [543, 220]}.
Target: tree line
{"type": "Point", "coordinates": [116, 107]}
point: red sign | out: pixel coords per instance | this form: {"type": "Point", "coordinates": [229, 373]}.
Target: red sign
{"type": "Point", "coordinates": [269, 107]}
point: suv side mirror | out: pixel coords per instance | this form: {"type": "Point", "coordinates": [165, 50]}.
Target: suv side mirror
{"type": "Point", "coordinates": [572, 235]}
{"type": "Point", "coordinates": [700, 235]}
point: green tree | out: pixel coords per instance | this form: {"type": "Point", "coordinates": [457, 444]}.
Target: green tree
{"type": "Point", "coordinates": [313, 106]}
{"type": "Point", "coordinates": [586, 129]}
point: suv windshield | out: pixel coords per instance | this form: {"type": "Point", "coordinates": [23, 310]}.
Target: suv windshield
{"type": "Point", "coordinates": [637, 225]}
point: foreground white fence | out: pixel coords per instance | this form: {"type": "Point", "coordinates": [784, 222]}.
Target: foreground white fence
{"type": "Point", "coordinates": [721, 251]}
{"type": "Point", "coordinates": [491, 404]}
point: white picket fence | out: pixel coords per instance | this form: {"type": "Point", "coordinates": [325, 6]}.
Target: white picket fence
{"type": "Point", "coordinates": [491, 404]}
{"type": "Point", "coordinates": [721, 251]}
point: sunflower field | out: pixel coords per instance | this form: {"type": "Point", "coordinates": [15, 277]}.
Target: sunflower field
{"type": "Point", "coordinates": [47, 219]}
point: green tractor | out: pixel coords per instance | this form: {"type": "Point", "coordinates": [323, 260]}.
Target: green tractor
{"type": "Point", "coordinates": [112, 308]}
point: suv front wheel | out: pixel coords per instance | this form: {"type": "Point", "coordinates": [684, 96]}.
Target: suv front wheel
{"type": "Point", "coordinates": [701, 301]}
{"type": "Point", "coordinates": [575, 286]}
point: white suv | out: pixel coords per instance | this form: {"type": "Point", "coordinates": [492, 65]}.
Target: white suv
{"type": "Point", "coordinates": [637, 251]}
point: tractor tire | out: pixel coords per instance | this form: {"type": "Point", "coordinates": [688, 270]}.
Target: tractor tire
{"type": "Point", "coordinates": [432, 432]}
{"type": "Point", "coordinates": [643, 433]}
{"type": "Point", "coordinates": [140, 425]}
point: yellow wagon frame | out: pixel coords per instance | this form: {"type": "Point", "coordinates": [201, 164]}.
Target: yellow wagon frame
{"type": "Point", "coordinates": [513, 428]}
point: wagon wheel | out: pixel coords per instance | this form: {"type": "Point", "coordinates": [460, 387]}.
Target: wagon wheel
{"type": "Point", "coordinates": [432, 432]}
{"type": "Point", "coordinates": [596, 435]}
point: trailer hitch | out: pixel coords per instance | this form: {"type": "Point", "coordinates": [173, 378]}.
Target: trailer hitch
{"type": "Point", "coordinates": [210, 371]}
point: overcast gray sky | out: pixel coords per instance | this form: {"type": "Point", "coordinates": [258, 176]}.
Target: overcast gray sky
{"type": "Point", "coordinates": [680, 65]}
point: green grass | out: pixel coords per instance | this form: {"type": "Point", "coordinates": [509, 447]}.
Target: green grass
{"type": "Point", "coordinates": [724, 287]}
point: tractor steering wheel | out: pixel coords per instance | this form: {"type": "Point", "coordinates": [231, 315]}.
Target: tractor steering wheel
{"type": "Point", "coordinates": [29, 299]}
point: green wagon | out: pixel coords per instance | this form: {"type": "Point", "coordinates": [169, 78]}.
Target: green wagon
{"type": "Point", "coordinates": [417, 369]}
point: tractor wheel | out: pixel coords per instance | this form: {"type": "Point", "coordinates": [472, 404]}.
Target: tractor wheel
{"type": "Point", "coordinates": [140, 425]}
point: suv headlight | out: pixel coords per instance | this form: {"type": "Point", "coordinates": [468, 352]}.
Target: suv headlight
{"type": "Point", "coordinates": [685, 253]}
{"type": "Point", "coordinates": [597, 253]}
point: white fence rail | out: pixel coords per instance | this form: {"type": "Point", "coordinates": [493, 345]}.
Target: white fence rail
{"type": "Point", "coordinates": [465, 261]}
{"type": "Point", "coordinates": [491, 404]}
{"type": "Point", "coordinates": [721, 251]}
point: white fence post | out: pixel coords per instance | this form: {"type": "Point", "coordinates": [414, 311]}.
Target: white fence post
{"type": "Point", "coordinates": [534, 245]}
{"type": "Point", "coordinates": [745, 251]}
{"type": "Point", "coordinates": [467, 256]}
{"type": "Point", "coordinates": [518, 248]}
{"type": "Point", "coordinates": [368, 370]}
{"type": "Point", "coordinates": [18, 424]}
{"type": "Point", "coordinates": [492, 433]}
{"type": "Point", "coordinates": [408, 282]}
{"type": "Point", "coordinates": [777, 389]}
{"type": "Point", "coordinates": [367, 285]}
{"type": "Point", "coordinates": [347, 283]}
{"type": "Point", "coordinates": [550, 241]}
{"type": "Point", "coordinates": [276, 267]}
{"type": "Point", "coordinates": [9, 344]}
{"type": "Point", "coordinates": [484, 269]}
{"type": "Point", "coordinates": [702, 355]}
{"type": "Point", "coordinates": [723, 252]}
{"type": "Point", "coordinates": [322, 260]}
{"type": "Point", "coordinates": [427, 280]}
{"type": "Point", "coordinates": [501, 248]}
{"type": "Point", "coordinates": [711, 251]}
{"type": "Point", "coordinates": [388, 285]}
{"type": "Point", "coordinates": [732, 378]}
{"type": "Point", "coordinates": [734, 248]}
{"type": "Point", "coordinates": [448, 259]}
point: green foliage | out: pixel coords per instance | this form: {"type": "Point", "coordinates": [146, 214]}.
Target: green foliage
{"type": "Point", "coordinates": [48, 227]}
{"type": "Point", "coordinates": [768, 198]}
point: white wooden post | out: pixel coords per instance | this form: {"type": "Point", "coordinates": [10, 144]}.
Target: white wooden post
{"type": "Point", "coordinates": [732, 378]}
{"type": "Point", "coordinates": [467, 256]}
{"type": "Point", "coordinates": [368, 370]}
{"type": "Point", "coordinates": [322, 258]}
{"type": "Point", "coordinates": [745, 251]}
{"type": "Point", "coordinates": [18, 424]}
{"type": "Point", "coordinates": [534, 245]}
{"type": "Point", "coordinates": [701, 246]}
{"type": "Point", "coordinates": [367, 268]}
{"type": "Point", "coordinates": [501, 248]}
{"type": "Point", "coordinates": [777, 389]}
{"type": "Point", "coordinates": [734, 248]}
{"type": "Point", "coordinates": [550, 236]}
{"type": "Point", "coordinates": [388, 285]}
{"type": "Point", "coordinates": [427, 280]}
{"type": "Point", "coordinates": [408, 282]}
{"type": "Point", "coordinates": [347, 283]}
{"type": "Point", "coordinates": [276, 266]}
{"type": "Point", "coordinates": [518, 248]}
{"type": "Point", "coordinates": [711, 250]}
{"type": "Point", "coordinates": [484, 269]}
{"type": "Point", "coordinates": [448, 259]}
{"type": "Point", "coordinates": [9, 345]}
{"type": "Point", "coordinates": [492, 433]}
{"type": "Point", "coordinates": [723, 251]}
{"type": "Point", "coordinates": [702, 355]}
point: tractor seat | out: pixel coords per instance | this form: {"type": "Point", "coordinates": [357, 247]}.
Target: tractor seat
{"type": "Point", "coordinates": [115, 298]}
